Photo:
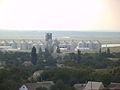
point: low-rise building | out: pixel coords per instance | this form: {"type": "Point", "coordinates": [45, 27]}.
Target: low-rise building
{"type": "Point", "coordinates": [34, 86]}
{"type": "Point", "coordinates": [91, 85]}
{"type": "Point", "coordinates": [79, 86]}
{"type": "Point", "coordinates": [114, 86]}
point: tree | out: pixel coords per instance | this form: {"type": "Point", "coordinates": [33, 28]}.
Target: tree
{"type": "Point", "coordinates": [34, 55]}
{"type": "Point", "coordinates": [59, 86]}
{"type": "Point", "coordinates": [47, 53]}
{"type": "Point", "coordinates": [100, 51]}
{"type": "Point", "coordinates": [58, 49]}
{"type": "Point", "coordinates": [40, 53]}
{"type": "Point", "coordinates": [78, 56]}
{"type": "Point", "coordinates": [108, 50]}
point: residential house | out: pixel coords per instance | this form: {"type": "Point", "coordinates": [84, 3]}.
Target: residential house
{"type": "Point", "coordinates": [91, 85]}
{"type": "Point", "coordinates": [114, 86]}
{"type": "Point", "coordinates": [79, 86]}
{"type": "Point", "coordinates": [34, 86]}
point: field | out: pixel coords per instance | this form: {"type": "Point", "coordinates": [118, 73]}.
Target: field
{"type": "Point", "coordinates": [112, 49]}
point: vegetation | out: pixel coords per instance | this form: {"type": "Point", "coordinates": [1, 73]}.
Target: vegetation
{"type": "Point", "coordinates": [78, 68]}
{"type": "Point", "coordinates": [34, 55]}
{"type": "Point", "coordinates": [13, 78]}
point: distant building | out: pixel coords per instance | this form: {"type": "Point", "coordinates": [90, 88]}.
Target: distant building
{"type": "Point", "coordinates": [48, 36]}
{"type": "Point", "coordinates": [89, 46]}
{"type": "Point", "coordinates": [30, 45]}
{"type": "Point", "coordinates": [23, 45]}
{"type": "Point", "coordinates": [4, 43]}
{"type": "Point", "coordinates": [13, 44]}
{"type": "Point", "coordinates": [96, 45]}
{"type": "Point", "coordinates": [73, 45]}
{"type": "Point", "coordinates": [48, 42]}
{"type": "Point", "coordinates": [34, 86]}
{"type": "Point", "coordinates": [63, 47]}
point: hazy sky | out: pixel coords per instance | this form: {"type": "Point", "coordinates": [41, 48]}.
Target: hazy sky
{"type": "Point", "coordinates": [60, 15]}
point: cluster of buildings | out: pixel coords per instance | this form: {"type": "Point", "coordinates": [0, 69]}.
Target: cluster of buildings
{"type": "Point", "coordinates": [50, 44]}
{"type": "Point", "coordinates": [91, 85]}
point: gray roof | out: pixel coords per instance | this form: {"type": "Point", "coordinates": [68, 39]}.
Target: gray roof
{"type": "Point", "coordinates": [33, 86]}
{"type": "Point", "coordinates": [114, 86]}
{"type": "Point", "coordinates": [94, 85]}
{"type": "Point", "coordinates": [79, 86]}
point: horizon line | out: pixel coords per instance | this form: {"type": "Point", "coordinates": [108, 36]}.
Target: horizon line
{"type": "Point", "coordinates": [58, 30]}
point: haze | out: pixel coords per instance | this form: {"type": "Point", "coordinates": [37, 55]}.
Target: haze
{"type": "Point", "coordinates": [86, 15]}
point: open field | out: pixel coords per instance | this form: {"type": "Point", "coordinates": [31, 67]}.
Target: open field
{"type": "Point", "coordinates": [112, 49]}
{"type": "Point", "coordinates": [110, 41]}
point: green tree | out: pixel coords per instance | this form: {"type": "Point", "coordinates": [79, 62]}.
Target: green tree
{"type": "Point", "coordinates": [108, 50]}
{"type": "Point", "coordinates": [100, 51]}
{"type": "Point", "coordinates": [59, 86]}
{"type": "Point", "coordinates": [58, 49]}
{"type": "Point", "coordinates": [116, 74]}
{"type": "Point", "coordinates": [47, 53]}
{"type": "Point", "coordinates": [34, 55]}
{"type": "Point", "coordinates": [40, 53]}
{"type": "Point", "coordinates": [78, 56]}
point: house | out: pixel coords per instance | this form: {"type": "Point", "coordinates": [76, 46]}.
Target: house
{"type": "Point", "coordinates": [91, 85]}
{"type": "Point", "coordinates": [114, 86]}
{"type": "Point", "coordinates": [34, 86]}
{"type": "Point", "coordinates": [79, 86]}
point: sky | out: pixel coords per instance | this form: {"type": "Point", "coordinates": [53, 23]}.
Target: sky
{"type": "Point", "coordinates": [80, 15]}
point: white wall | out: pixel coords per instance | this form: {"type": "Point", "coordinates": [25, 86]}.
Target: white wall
{"type": "Point", "coordinates": [23, 87]}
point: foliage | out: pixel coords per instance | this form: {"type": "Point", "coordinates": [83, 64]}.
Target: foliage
{"type": "Point", "coordinates": [60, 85]}
{"type": "Point", "coordinates": [34, 55]}
{"type": "Point", "coordinates": [12, 78]}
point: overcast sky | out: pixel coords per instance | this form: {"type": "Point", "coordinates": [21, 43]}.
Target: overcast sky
{"type": "Point", "coordinates": [87, 15]}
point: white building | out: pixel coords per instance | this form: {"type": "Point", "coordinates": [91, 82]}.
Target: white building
{"type": "Point", "coordinates": [73, 45]}
{"type": "Point", "coordinates": [30, 45]}
{"type": "Point", "coordinates": [81, 44]}
{"type": "Point", "coordinates": [23, 45]}
{"type": "Point", "coordinates": [96, 45]}
{"type": "Point", "coordinates": [88, 46]}
{"type": "Point", "coordinates": [13, 44]}
{"type": "Point", "coordinates": [4, 43]}
{"type": "Point", "coordinates": [63, 47]}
